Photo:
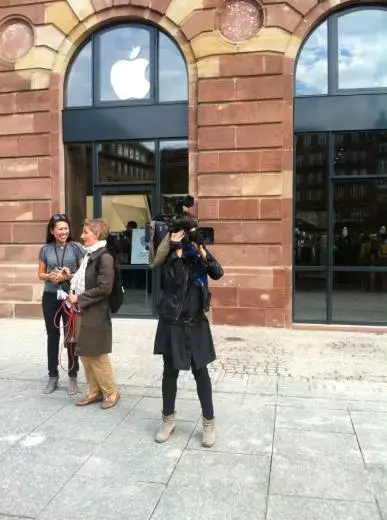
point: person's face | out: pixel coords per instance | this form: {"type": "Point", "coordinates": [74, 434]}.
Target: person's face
{"type": "Point", "coordinates": [88, 237]}
{"type": "Point", "coordinates": [61, 232]}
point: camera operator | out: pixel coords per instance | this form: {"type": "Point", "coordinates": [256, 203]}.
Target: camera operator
{"type": "Point", "coordinates": [183, 334]}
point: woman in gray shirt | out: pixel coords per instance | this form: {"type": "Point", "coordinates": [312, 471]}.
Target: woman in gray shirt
{"type": "Point", "coordinates": [59, 258]}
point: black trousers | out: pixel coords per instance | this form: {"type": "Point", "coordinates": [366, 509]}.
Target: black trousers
{"type": "Point", "coordinates": [51, 306]}
{"type": "Point", "coordinates": [203, 386]}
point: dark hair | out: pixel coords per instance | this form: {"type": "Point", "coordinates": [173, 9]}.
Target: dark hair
{"type": "Point", "coordinates": [132, 224]}
{"type": "Point", "coordinates": [58, 217]}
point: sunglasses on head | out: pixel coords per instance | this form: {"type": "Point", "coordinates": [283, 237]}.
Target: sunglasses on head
{"type": "Point", "coordinates": [59, 216]}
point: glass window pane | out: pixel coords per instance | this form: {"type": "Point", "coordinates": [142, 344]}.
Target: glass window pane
{"type": "Point", "coordinates": [310, 296]}
{"type": "Point", "coordinates": [124, 64]}
{"type": "Point", "coordinates": [79, 80]}
{"type": "Point", "coordinates": [312, 65]}
{"type": "Point", "coordinates": [128, 214]}
{"type": "Point", "coordinates": [362, 43]}
{"type": "Point", "coordinates": [79, 185]}
{"type": "Point", "coordinates": [173, 170]}
{"type": "Point", "coordinates": [138, 300]}
{"type": "Point", "coordinates": [311, 212]}
{"type": "Point", "coordinates": [173, 80]}
{"type": "Point", "coordinates": [360, 221]}
{"type": "Point", "coordinates": [359, 297]}
{"type": "Point", "coordinates": [360, 153]}
{"type": "Point", "coordinates": [126, 161]}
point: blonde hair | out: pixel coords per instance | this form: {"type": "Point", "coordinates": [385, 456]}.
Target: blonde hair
{"type": "Point", "coordinates": [98, 226]}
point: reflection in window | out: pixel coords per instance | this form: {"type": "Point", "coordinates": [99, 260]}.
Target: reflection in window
{"type": "Point", "coordinates": [79, 180]}
{"type": "Point", "coordinates": [360, 153]}
{"type": "Point", "coordinates": [362, 49]}
{"type": "Point", "coordinates": [126, 68]}
{"type": "Point", "coordinates": [312, 65]}
{"type": "Point", "coordinates": [124, 64]}
{"type": "Point", "coordinates": [172, 71]}
{"type": "Point", "coordinates": [310, 296]}
{"type": "Point", "coordinates": [126, 162]}
{"type": "Point", "coordinates": [360, 220]}
{"type": "Point", "coordinates": [173, 171]}
{"type": "Point", "coordinates": [359, 297]}
{"type": "Point", "coordinates": [79, 80]}
{"type": "Point", "coordinates": [311, 215]}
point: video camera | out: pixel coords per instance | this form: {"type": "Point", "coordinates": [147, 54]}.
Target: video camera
{"type": "Point", "coordinates": [177, 221]}
{"type": "Point", "coordinates": [174, 221]}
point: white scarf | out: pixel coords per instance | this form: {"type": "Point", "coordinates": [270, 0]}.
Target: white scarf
{"type": "Point", "coordinates": [78, 280]}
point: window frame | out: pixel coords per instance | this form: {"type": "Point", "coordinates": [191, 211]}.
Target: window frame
{"type": "Point", "coordinates": [154, 70]}
{"type": "Point", "coordinates": [333, 56]}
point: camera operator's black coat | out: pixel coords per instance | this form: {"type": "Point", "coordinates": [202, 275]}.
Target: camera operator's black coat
{"type": "Point", "coordinates": [183, 331]}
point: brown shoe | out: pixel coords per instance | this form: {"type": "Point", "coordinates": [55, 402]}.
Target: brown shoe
{"type": "Point", "coordinates": [110, 401]}
{"type": "Point", "coordinates": [89, 399]}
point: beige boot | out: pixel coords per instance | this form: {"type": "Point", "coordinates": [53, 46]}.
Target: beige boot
{"type": "Point", "coordinates": [167, 428]}
{"type": "Point", "coordinates": [208, 439]}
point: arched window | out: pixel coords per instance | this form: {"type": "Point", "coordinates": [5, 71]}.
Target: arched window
{"type": "Point", "coordinates": [127, 64]}
{"type": "Point", "coordinates": [345, 53]}
{"type": "Point", "coordinates": [340, 170]}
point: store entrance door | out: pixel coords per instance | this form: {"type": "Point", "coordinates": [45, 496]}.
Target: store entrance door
{"type": "Point", "coordinates": [128, 211]}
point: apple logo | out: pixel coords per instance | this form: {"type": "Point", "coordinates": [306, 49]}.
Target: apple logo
{"type": "Point", "coordinates": [128, 79]}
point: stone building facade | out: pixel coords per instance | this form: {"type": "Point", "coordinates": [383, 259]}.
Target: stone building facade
{"type": "Point", "coordinates": [241, 58]}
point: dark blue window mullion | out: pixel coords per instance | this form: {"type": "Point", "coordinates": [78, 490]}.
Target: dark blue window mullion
{"type": "Point", "coordinates": [156, 64]}
{"type": "Point", "coordinates": [97, 205]}
{"type": "Point", "coordinates": [331, 235]}
{"type": "Point", "coordinates": [158, 194]}
{"type": "Point", "coordinates": [96, 73]}
{"type": "Point", "coordinates": [333, 55]}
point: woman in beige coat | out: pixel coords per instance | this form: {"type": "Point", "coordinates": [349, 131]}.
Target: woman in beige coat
{"type": "Point", "coordinates": [91, 286]}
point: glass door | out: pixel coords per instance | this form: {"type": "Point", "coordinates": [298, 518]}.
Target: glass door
{"type": "Point", "coordinates": [128, 211]}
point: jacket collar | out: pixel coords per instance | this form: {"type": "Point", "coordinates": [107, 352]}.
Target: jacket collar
{"type": "Point", "coordinates": [97, 254]}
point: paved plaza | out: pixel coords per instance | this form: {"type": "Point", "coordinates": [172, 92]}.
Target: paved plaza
{"type": "Point", "coordinates": [301, 432]}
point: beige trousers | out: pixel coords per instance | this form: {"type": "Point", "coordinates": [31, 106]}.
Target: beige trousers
{"type": "Point", "coordinates": [99, 374]}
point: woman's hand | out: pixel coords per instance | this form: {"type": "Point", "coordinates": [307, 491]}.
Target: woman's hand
{"type": "Point", "coordinates": [53, 277]}
{"type": "Point", "coordinates": [72, 298]}
{"type": "Point", "coordinates": [66, 273]}
{"type": "Point", "coordinates": [177, 238]}
{"type": "Point", "coordinates": [203, 252]}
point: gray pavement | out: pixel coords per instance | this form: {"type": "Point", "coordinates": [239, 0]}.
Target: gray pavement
{"type": "Point", "coordinates": [301, 432]}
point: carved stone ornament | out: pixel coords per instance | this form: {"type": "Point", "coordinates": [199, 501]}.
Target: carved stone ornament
{"type": "Point", "coordinates": [16, 39]}
{"type": "Point", "coordinates": [239, 20]}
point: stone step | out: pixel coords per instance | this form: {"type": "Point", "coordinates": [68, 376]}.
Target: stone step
{"type": "Point", "coordinates": [31, 310]}
{"type": "Point", "coordinates": [19, 273]}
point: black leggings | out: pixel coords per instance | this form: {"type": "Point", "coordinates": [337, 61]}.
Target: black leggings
{"type": "Point", "coordinates": [50, 306]}
{"type": "Point", "coordinates": [203, 386]}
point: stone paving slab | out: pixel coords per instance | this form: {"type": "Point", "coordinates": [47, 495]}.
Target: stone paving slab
{"type": "Point", "coordinates": [130, 453]}
{"type": "Point", "coordinates": [334, 421]}
{"type": "Point", "coordinates": [216, 486]}
{"type": "Point", "coordinates": [34, 471]}
{"type": "Point", "coordinates": [319, 465]}
{"type": "Point", "coordinates": [243, 430]}
{"type": "Point", "coordinates": [101, 498]}
{"type": "Point", "coordinates": [298, 508]}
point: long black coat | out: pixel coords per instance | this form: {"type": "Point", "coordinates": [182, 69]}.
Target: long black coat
{"type": "Point", "coordinates": [95, 333]}
{"type": "Point", "coordinates": [183, 332]}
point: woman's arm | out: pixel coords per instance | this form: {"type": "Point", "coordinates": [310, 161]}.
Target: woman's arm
{"type": "Point", "coordinates": [44, 275]}
{"type": "Point", "coordinates": [104, 284]}
{"type": "Point", "coordinates": [214, 269]}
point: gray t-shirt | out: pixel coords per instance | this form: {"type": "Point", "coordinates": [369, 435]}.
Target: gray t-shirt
{"type": "Point", "coordinates": [54, 256]}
